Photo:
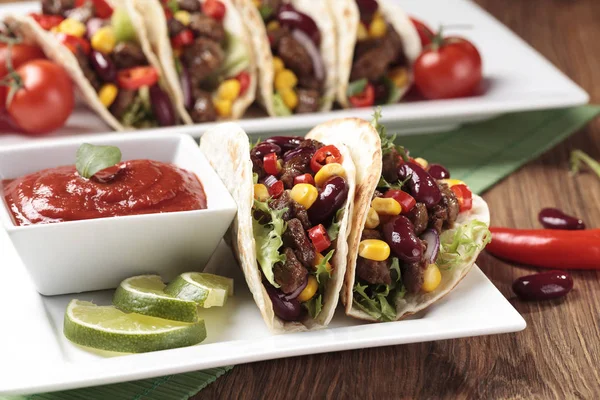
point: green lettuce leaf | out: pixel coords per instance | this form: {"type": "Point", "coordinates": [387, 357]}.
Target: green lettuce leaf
{"type": "Point", "coordinates": [279, 106]}
{"type": "Point", "coordinates": [394, 93]}
{"type": "Point", "coordinates": [458, 245]}
{"type": "Point", "coordinates": [356, 87]}
{"type": "Point", "coordinates": [139, 113]}
{"type": "Point", "coordinates": [268, 240]}
{"type": "Point", "coordinates": [315, 305]}
{"type": "Point", "coordinates": [334, 228]}
{"type": "Point", "coordinates": [387, 142]}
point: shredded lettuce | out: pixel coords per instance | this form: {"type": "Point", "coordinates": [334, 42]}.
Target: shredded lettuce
{"type": "Point", "coordinates": [458, 245]}
{"type": "Point", "coordinates": [265, 12]}
{"type": "Point", "coordinates": [279, 106]}
{"type": "Point", "coordinates": [268, 239]}
{"type": "Point", "coordinates": [254, 178]}
{"type": "Point", "coordinates": [334, 228]}
{"type": "Point", "coordinates": [387, 142]}
{"type": "Point", "coordinates": [356, 87]}
{"type": "Point", "coordinates": [139, 113]}
{"type": "Point", "coordinates": [236, 56]}
{"type": "Point", "coordinates": [394, 93]}
{"type": "Point", "coordinates": [315, 305]}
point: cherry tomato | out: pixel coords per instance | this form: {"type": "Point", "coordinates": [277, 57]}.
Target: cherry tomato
{"type": "Point", "coordinates": [325, 155]}
{"type": "Point", "coordinates": [47, 22]}
{"type": "Point", "coordinates": [406, 200]}
{"type": "Point", "coordinates": [270, 164]}
{"type": "Point", "coordinates": [101, 8]}
{"type": "Point", "coordinates": [318, 236]}
{"type": "Point", "coordinates": [136, 77]}
{"type": "Point", "coordinates": [304, 178]}
{"type": "Point", "coordinates": [45, 100]}
{"type": "Point", "coordinates": [183, 38]}
{"type": "Point", "coordinates": [74, 43]}
{"type": "Point", "coordinates": [364, 99]}
{"type": "Point", "coordinates": [464, 196]}
{"type": "Point", "coordinates": [244, 79]}
{"type": "Point", "coordinates": [425, 34]}
{"type": "Point", "coordinates": [19, 55]}
{"type": "Point", "coordinates": [214, 9]}
{"type": "Point", "coordinates": [448, 69]}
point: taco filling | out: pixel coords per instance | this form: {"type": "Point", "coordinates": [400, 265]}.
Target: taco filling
{"type": "Point", "coordinates": [207, 57]}
{"type": "Point", "coordinates": [379, 67]}
{"type": "Point", "coordinates": [299, 196]}
{"type": "Point", "coordinates": [299, 72]}
{"type": "Point", "coordinates": [410, 235]}
{"type": "Point", "coordinates": [105, 44]}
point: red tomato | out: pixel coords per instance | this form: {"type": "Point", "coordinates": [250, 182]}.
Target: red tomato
{"type": "Point", "coordinates": [101, 8]}
{"type": "Point", "coordinates": [425, 34]}
{"type": "Point", "coordinates": [464, 197]}
{"type": "Point", "coordinates": [448, 70]}
{"type": "Point", "coordinates": [244, 79]}
{"type": "Point", "coordinates": [406, 200]}
{"type": "Point", "coordinates": [136, 77]}
{"type": "Point", "coordinates": [365, 99]}
{"type": "Point", "coordinates": [74, 43]}
{"type": "Point", "coordinates": [45, 100]}
{"type": "Point", "coordinates": [214, 9]}
{"type": "Point", "coordinates": [319, 238]}
{"type": "Point", "coordinates": [182, 39]}
{"type": "Point", "coordinates": [47, 22]}
{"type": "Point", "coordinates": [325, 155]}
{"type": "Point", "coordinates": [304, 178]}
{"type": "Point", "coordinates": [19, 54]}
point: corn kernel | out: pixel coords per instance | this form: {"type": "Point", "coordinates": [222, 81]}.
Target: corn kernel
{"type": "Point", "coordinates": [72, 27]}
{"type": "Point", "coordinates": [399, 76]}
{"type": "Point", "coordinates": [285, 79]}
{"type": "Point", "coordinates": [386, 206]}
{"type": "Point", "coordinates": [54, 29]}
{"type": "Point", "coordinates": [223, 107]}
{"type": "Point", "coordinates": [318, 258]}
{"type": "Point", "coordinates": [229, 89]}
{"type": "Point", "coordinates": [329, 170]}
{"type": "Point", "coordinates": [378, 28]}
{"type": "Point", "coordinates": [422, 162]}
{"type": "Point", "coordinates": [261, 193]}
{"type": "Point", "coordinates": [362, 33]}
{"type": "Point", "coordinates": [304, 194]}
{"type": "Point", "coordinates": [431, 278]}
{"type": "Point", "coordinates": [278, 65]}
{"type": "Point", "coordinates": [108, 94]}
{"type": "Point", "coordinates": [372, 219]}
{"type": "Point", "coordinates": [273, 26]}
{"type": "Point", "coordinates": [289, 97]}
{"type": "Point", "coordinates": [257, 3]}
{"type": "Point", "coordinates": [310, 290]}
{"type": "Point", "coordinates": [183, 16]}
{"type": "Point", "coordinates": [452, 182]}
{"type": "Point", "coordinates": [374, 249]}
{"type": "Point", "coordinates": [104, 40]}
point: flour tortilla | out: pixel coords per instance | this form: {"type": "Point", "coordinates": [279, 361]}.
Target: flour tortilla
{"type": "Point", "coordinates": [364, 144]}
{"type": "Point", "coordinates": [158, 36]}
{"type": "Point", "coordinates": [29, 29]}
{"type": "Point", "coordinates": [319, 12]}
{"type": "Point", "coordinates": [227, 149]}
{"type": "Point", "coordinates": [347, 18]}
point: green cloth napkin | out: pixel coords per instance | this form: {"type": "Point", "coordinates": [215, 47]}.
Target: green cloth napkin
{"type": "Point", "coordinates": [480, 153]}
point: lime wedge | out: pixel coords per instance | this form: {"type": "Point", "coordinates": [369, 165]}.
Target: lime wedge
{"type": "Point", "coordinates": [145, 294]}
{"type": "Point", "coordinates": [207, 290]}
{"type": "Point", "coordinates": [107, 328]}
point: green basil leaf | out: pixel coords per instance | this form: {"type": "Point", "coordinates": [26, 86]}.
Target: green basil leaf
{"type": "Point", "coordinates": [356, 87]}
{"type": "Point", "coordinates": [91, 158]}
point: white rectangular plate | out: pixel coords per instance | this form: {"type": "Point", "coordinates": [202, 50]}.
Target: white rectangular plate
{"type": "Point", "coordinates": [509, 86]}
{"type": "Point", "coordinates": [37, 358]}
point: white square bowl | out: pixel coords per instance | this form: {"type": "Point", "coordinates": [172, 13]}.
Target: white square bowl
{"type": "Point", "coordinates": [80, 256]}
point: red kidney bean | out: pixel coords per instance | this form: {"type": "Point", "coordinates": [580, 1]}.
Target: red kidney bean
{"type": "Point", "coordinates": [543, 286]}
{"type": "Point", "coordinates": [420, 184]}
{"type": "Point", "coordinates": [294, 19]}
{"type": "Point", "coordinates": [161, 107]}
{"type": "Point", "coordinates": [287, 310]}
{"type": "Point", "coordinates": [286, 142]}
{"type": "Point", "coordinates": [367, 7]}
{"type": "Point", "coordinates": [103, 66]}
{"type": "Point", "coordinates": [553, 218]}
{"type": "Point", "coordinates": [438, 171]}
{"type": "Point", "coordinates": [305, 152]}
{"type": "Point", "coordinates": [332, 196]}
{"type": "Point", "coordinates": [399, 233]}
{"type": "Point", "coordinates": [264, 148]}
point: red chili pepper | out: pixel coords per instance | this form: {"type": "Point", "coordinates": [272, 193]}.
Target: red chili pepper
{"type": "Point", "coordinates": [464, 197]}
{"type": "Point", "coordinates": [319, 238]}
{"type": "Point", "coordinates": [406, 200]}
{"type": "Point", "coordinates": [244, 79]}
{"type": "Point", "coordinates": [364, 99]}
{"type": "Point", "coordinates": [271, 165]}
{"type": "Point", "coordinates": [74, 43]}
{"type": "Point", "coordinates": [182, 39]}
{"type": "Point", "coordinates": [101, 8]}
{"type": "Point", "coordinates": [547, 248]}
{"type": "Point", "coordinates": [214, 9]}
{"type": "Point", "coordinates": [136, 77]}
{"type": "Point", "coordinates": [304, 178]}
{"type": "Point", "coordinates": [325, 155]}
{"type": "Point", "coordinates": [47, 22]}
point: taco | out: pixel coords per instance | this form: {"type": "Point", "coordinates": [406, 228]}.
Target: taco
{"type": "Point", "coordinates": [376, 47]}
{"type": "Point", "coordinates": [414, 237]}
{"type": "Point", "coordinates": [290, 233]}
{"type": "Point", "coordinates": [294, 42]}
{"type": "Point", "coordinates": [104, 48]}
{"type": "Point", "coordinates": [205, 51]}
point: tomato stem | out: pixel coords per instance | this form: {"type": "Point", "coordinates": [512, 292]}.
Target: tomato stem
{"type": "Point", "coordinates": [12, 79]}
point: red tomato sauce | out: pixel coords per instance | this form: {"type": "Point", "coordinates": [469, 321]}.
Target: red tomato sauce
{"type": "Point", "coordinates": [137, 187]}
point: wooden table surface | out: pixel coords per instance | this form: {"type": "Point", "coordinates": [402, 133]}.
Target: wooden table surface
{"type": "Point", "coordinates": [558, 355]}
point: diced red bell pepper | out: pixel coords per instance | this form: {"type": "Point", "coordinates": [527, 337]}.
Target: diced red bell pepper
{"type": "Point", "coordinates": [244, 79]}
{"type": "Point", "coordinates": [319, 238]}
{"type": "Point", "coordinates": [214, 9]}
{"type": "Point", "coordinates": [406, 200]}
{"type": "Point", "coordinates": [364, 99]}
{"type": "Point", "coordinates": [325, 155]}
{"type": "Point", "coordinates": [271, 165]}
{"type": "Point", "coordinates": [182, 39]}
{"type": "Point", "coordinates": [74, 43]}
{"type": "Point", "coordinates": [304, 178]}
{"type": "Point", "coordinates": [464, 196]}
{"type": "Point", "coordinates": [47, 22]}
{"type": "Point", "coordinates": [136, 77]}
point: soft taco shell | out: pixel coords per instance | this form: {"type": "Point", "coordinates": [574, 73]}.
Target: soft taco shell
{"type": "Point", "coordinates": [347, 18]}
{"type": "Point", "coordinates": [158, 36]}
{"type": "Point", "coordinates": [227, 149]}
{"type": "Point", "coordinates": [365, 146]}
